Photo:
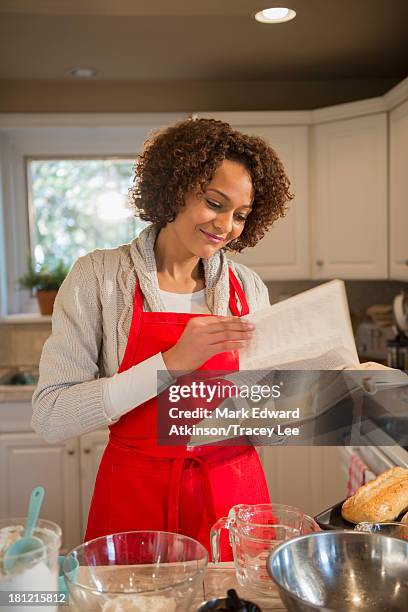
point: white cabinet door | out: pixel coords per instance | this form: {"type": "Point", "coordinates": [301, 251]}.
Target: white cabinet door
{"type": "Point", "coordinates": [283, 253]}
{"type": "Point", "coordinates": [26, 461]}
{"type": "Point", "coordinates": [399, 192]}
{"type": "Point", "coordinates": [349, 198]}
{"type": "Point", "coordinates": [307, 477]}
{"type": "Point", "coordinates": [92, 446]}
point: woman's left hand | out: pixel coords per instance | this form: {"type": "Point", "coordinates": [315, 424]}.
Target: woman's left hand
{"type": "Point", "coordinates": [371, 365]}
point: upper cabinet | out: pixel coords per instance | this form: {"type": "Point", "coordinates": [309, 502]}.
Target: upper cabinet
{"type": "Point", "coordinates": [399, 192]}
{"type": "Point", "coordinates": [283, 253]}
{"type": "Point", "coordinates": [349, 198]}
{"type": "Point", "coordinates": [337, 224]}
{"type": "Point", "coordinates": [346, 165]}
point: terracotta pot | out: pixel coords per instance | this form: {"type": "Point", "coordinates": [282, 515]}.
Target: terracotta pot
{"type": "Point", "coordinates": [46, 301]}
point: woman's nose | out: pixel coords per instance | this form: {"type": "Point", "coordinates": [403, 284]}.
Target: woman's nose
{"type": "Point", "coordinates": [223, 222]}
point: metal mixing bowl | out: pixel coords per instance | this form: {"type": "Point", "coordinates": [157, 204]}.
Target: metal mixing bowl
{"type": "Point", "coordinates": [341, 571]}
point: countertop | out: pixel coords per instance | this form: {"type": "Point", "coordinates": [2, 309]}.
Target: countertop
{"type": "Point", "coordinates": [15, 393]}
{"type": "Point", "coordinates": [217, 580]}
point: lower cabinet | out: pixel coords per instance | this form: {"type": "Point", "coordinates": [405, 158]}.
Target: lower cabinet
{"type": "Point", "coordinates": [308, 477]}
{"type": "Point", "coordinates": [67, 472]}
{"type": "Point", "coordinates": [26, 461]}
{"type": "Point", "coordinates": [92, 446]}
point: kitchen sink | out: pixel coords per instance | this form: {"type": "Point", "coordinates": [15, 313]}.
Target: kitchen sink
{"type": "Point", "coordinates": [19, 377]}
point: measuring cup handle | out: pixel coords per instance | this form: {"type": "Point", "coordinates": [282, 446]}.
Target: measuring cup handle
{"type": "Point", "coordinates": [215, 533]}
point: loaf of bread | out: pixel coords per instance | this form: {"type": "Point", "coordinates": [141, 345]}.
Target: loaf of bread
{"type": "Point", "coordinates": [380, 500]}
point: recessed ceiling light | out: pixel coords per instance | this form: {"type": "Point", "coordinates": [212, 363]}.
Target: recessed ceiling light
{"type": "Point", "coordinates": [83, 73]}
{"type": "Point", "coordinates": [278, 14]}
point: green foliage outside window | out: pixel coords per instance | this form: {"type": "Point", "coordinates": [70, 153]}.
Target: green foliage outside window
{"type": "Point", "coordinates": [79, 205]}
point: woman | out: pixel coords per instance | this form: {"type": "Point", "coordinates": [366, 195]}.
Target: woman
{"type": "Point", "coordinates": [123, 314]}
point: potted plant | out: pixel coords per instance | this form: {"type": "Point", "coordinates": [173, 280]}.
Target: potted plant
{"type": "Point", "coordinates": [45, 282]}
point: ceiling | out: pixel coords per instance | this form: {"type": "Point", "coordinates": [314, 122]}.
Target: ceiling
{"type": "Point", "coordinates": [199, 40]}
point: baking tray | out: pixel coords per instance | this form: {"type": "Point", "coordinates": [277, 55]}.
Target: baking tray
{"type": "Point", "coordinates": [331, 518]}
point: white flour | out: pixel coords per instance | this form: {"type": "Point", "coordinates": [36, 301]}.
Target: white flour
{"type": "Point", "coordinates": [36, 577]}
{"type": "Point", "coordinates": [140, 603]}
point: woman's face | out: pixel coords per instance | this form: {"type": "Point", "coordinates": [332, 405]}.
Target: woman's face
{"type": "Point", "coordinates": [211, 219]}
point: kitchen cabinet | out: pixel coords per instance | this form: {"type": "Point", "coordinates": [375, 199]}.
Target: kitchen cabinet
{"type": "Point", "coordinates": [307, 477]}
{"type": "Point", "coordinates": [91, 446]}
{"type": "Point", "coordinates": [349, 198]}
{"type": "Point", "coordinates": [341, 229]}
{"type": "Point", "coordinates": [283, 253]}
{"type": "Point", "coordinates": [26, 461]}
{"type": "Point", "coordinates": [399, 192]}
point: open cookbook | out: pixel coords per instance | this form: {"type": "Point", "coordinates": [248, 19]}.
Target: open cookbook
{"type": "Point", "coordinates": [305, 344]}
{"type": "Point", "coordinates": [311, 330]}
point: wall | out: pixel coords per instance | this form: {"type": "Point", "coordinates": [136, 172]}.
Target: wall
{"type": "Point", "coordinates": [360, 294]}
{"type": "Point", "coordinates": [21, 344]}
{"type": "Point", "coordinates": [18, 96]}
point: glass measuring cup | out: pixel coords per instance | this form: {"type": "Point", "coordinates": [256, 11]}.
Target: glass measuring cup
{"type": "Point", "coordinates": [254, 531]}
{"type": "Point", "coordinates": [30, 571]}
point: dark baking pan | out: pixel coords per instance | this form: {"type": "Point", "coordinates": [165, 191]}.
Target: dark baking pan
{"type": "Point", "coordinates": [331, 518]}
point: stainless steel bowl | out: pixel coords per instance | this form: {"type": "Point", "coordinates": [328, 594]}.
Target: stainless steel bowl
{"type": "Point", "coordinates": [341, 571]}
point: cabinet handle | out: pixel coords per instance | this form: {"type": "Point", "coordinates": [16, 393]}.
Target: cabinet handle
{"type": "Point", "coordinates": [87, 451]}
{"type": "Point", "coordinates": [320, 263]}
{"type": "Point", "coordinates": [71, 452]}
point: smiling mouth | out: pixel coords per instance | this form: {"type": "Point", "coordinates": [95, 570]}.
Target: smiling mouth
{"type": "Point", "coordinates": [213, 237]}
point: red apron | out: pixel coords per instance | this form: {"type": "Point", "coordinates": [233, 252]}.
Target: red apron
{"type": "Point", "coordinates": [143, 486]}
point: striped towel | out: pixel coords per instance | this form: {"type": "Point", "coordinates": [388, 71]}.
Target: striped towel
{"type": "Point", "coordinates": [358, 474]}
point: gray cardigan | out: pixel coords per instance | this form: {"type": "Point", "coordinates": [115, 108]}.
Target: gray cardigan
{"type": "Point", "coordinates": [90, 327]}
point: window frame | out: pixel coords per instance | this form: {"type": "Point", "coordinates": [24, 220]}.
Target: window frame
{"type": "Point", "coordinates": [29, 136]}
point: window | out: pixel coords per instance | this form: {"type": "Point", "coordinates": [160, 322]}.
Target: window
{"type": "Point", "coordinates": [78, 205]}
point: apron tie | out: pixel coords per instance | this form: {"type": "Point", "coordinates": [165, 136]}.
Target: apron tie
{"type": "Point", "coordinates": [174, 492]}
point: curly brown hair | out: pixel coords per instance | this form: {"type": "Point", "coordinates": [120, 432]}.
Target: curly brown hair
{"type": "Point", "coordinates": [177, 158]}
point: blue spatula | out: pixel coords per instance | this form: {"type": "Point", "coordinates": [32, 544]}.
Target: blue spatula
{"type": "Point", "coordinates": [28, 543]}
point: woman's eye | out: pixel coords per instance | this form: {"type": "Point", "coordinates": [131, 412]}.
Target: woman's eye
{"type": "Point", "coordinates": [213, 204]}
{"type": "Point", "coordinates": [216, 206]}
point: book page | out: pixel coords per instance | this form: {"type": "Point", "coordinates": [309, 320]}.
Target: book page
{"type": "Point", "coordinates": [306, 327]}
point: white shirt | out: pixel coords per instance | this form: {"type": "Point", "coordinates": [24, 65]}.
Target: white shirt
{"type": "Point", "coordinates": [123, 392]}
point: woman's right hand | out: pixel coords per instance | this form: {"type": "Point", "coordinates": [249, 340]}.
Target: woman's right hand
{"type": "Point", "coordinates": [204, 337]}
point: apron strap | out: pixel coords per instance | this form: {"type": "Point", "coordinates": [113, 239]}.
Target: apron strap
{"type": "Point", "coordinates": [236, 290]}
{"type": "Point", "coordinates": [174, 495]}
{"type": "Point", "coordinates": [208, 493]}
{"type": "Point", "coordinates": [138, 295]}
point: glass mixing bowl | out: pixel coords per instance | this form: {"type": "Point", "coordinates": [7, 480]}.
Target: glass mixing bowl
{"type": "Point", "coordinates": [147, 571]}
